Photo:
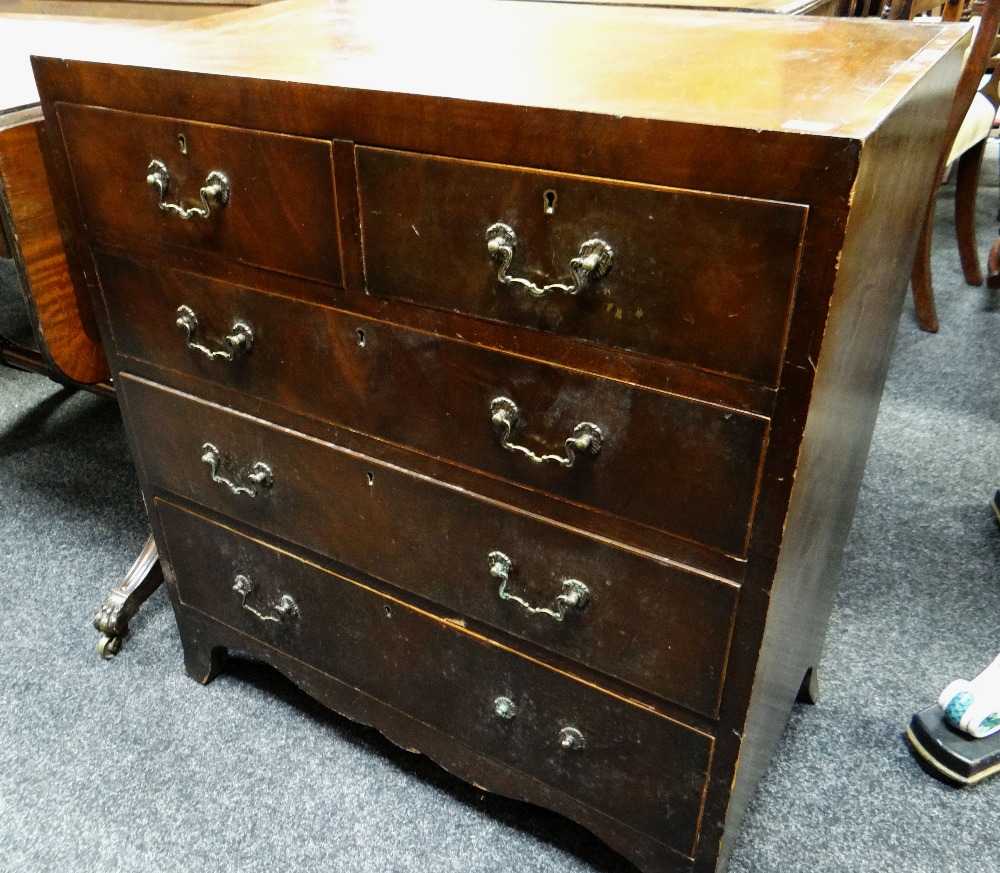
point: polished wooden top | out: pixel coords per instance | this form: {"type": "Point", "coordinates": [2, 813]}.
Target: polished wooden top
{"type": "Point", "coordinates": [779, 7]}
{"type": "Point", "coordinates": [156, 10]}
{"type": "Point", "coordinates": [22, 35]}
{"type": "Point", "coordinates": [765, 72]}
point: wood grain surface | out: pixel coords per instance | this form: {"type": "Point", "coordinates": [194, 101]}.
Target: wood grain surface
{"type": "Point", "coordinates": [662, 296]}
{"type": "Point", "coordinates": [728, 472]}
{"type": "Point", "coordinates": [61, 312]}
{"type": "Point", "coordinates": [382, 529]}
{"type": "Point", "coordinates": [281, 213]}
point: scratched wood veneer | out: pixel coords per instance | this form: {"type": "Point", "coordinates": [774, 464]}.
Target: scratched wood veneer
{"type": "Point", "coordinates": [64, 341]}
{"type": "Point", "coordinates": [59, 310]}
{"type": "Point", "coordinates": [510, 393]}
{"type": "Point", "coordinates": [62, 322]}
{"type": "Point", "coordinates": [778, 7]}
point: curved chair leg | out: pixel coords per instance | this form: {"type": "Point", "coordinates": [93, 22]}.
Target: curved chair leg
{"type": "Point", "coordinates": [993, 266]}
{"type": "Point", "coordinates": [966, 186]}
{"type": "Point", "coordinates": [923, 291]}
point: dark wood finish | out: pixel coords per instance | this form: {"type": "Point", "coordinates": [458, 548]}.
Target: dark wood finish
{"type": "Point", "coordinates": [5, 249]}
{"type": "Point", "coordinates": [727, 314]}
{"type": "Point", "coordinates": [263, 223]}
{"type": "Point", "coordinates": [124, 600]}
{"type": "Point", "coordinates": [820, 113]}
{"type": "Point", "coordinates": [449, 678]}
{"type": "Point", "coordinates": [381, 528]}
{"type": "Point", "coordinates": [972, 73]}
{"type": "Point", "coordinates": [417, 391]}
{"type": "Point", "coordinates": [67, 343]}
{"type": "Point", "coordinates": [851, 368]}
{"type": "Point", "coordinates": [966, 190]}
{"type": "Point", "coordinates": [68, 347]}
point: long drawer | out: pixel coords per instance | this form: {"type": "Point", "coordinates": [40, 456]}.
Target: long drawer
{"type": "Point", "coordinates": [648, 623]}
{"type": "Point", "coordinates": [620, 759]}
{"type": "Point", "coordinates": [677, 465]}
{"type": "Point", "coordinates": [700, 278]}
{"type": "Point", "coordinates": [257, 198]}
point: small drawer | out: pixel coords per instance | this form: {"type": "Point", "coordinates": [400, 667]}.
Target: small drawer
{"type": "Point", "coordinates": [703, 279]}
{"type": "Point", "coordinates": [676, 465]}
{"type": "Point", "coordinates": [648, 623]}
{"type": "Point", "coordinates": [262, 199]}
{"type": "Point", "coordinates": [622, 760]}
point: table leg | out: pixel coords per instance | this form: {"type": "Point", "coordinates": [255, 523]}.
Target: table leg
{"type": "Point", "coordinates": [124, 600]}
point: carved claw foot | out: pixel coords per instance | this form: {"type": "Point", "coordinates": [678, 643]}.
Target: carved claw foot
{"type": "Point", "coordinates": [121, 605]}
{"type": "Point", "coordinates": [112, 622]}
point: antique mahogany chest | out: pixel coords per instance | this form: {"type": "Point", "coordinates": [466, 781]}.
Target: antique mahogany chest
{"type": "Point", "coordinates": [503, 373]}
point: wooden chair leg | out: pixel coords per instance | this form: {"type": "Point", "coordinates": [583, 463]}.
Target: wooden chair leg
{"type": "Point", "coordinates": [923, 291]}
{"type": "Point", "coordinates": [966, 186]}
{"type": "Point", "coordinates": [993, 266]}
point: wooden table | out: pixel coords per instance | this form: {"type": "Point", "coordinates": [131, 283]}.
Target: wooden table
{"type": "Point", "coordinates": [779, 7]}
{"type": "Point", "coordinates": [67, 342]}
{"type": "Point", "coordinates": [67, 345]}
{"type": "Point", "coordinates": [123, 10]}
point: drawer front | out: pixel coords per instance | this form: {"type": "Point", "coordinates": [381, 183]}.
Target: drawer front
{"type": "Point", "coordinates": [648, 623]}
{"type": "Point", "coordinates": [683, 467]}
{"type": "Point", "coordinates": [699, 278]}
{"type": "Point", "coordinates": [280, 214]}
{"type": "Point", "coordinates": [622, 760]}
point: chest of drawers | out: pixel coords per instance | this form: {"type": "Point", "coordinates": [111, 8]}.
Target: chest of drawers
{"type": "Point", "coordinates": [510, 393]}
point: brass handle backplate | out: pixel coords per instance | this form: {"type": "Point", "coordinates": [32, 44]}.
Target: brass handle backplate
{"type": "Point", "coordinates": [571, 739]}
{"type": "Point", "coordinates": [259, 475]}
{"type": "Point", "coordinates": [591, 265]}
{"type": "Point", "coordinates": [285, 608]}
{"type": "Point", "coordinates": [215, 192]}
{"type": "Point", "coordinates": [504, 707]}
{"type": "Point", "coordinates": [586, 436]}
{"type": "Point", "coordinates": [237, 342]}
{"type": "Point", "coordinates": [574, 593]}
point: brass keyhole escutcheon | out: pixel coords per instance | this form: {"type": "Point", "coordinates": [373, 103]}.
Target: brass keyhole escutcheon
{"type": "Point", "coordinates": [182, 143]}
{"type": "Point", "coordinates": [549, 201]}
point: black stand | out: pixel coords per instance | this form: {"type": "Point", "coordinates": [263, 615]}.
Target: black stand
{"type": "Point", "coordinates": [949, 754]}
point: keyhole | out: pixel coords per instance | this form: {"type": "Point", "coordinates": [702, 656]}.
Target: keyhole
{"type": "Point", "coordinates": [549, 200]}
{"type": "Point", "coordinates": [371, 479]}
{"type": "Point", "coordinates": [361, 338]}
{"type": "Point", "coordinates": [388, 611]}
{"type": "Point", "coordinates": [182, 143]}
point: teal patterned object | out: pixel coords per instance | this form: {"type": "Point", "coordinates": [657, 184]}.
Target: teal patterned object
{"type": "Point", "coordinates": [989, 724]}
{"type": "Point", "coordinates": [973, 707]}
{"type": "Point", "coordinates": [957, 708]}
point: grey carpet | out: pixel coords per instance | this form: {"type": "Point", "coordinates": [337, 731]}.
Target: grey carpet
{"type": "Point", "coordinates": [130, 766]}
{"type": "Point", "coordinates": [14, 323]}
